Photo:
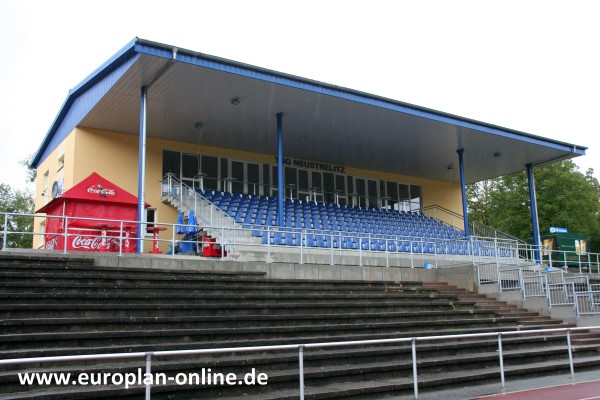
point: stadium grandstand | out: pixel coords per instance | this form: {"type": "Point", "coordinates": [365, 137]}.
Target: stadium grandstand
{"type": "Point", "coordinates": [316, 234]}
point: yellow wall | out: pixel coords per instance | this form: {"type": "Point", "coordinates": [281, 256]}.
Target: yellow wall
{"type": "Point", "coordinates": [115, 157]}
{"type": "Point", "coordinates": [51, 167]}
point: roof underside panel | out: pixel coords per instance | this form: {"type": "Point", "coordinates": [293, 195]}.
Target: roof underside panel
{"type": "Point", "coordinates": [321, 123]}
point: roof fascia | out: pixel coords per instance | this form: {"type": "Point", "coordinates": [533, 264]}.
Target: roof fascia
{"type": "Point", "coordinates": [100, 73]}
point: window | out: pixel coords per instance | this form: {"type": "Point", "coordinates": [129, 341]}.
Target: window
{"type": "Point", "coordinates": [150, 219]}
{"type": "Point", "coordinates": [237, 173]}
{"type": "Point", "coordinates": [266, 180]}
{"type": "Point", "coordinates": [392, 195]}
{"type": "Point", "coordinates": [415, 198]}
{"type": "Point", "coordinates": [171, 163]}
{"type": "Point", "coordinates": [189, 166]}
{"type": "Point", "coordinates": [46, 184]}
{"type": "Point", "coordinates": [291, 184]}
{"type": "Point", "coordinates": [61, 162]}
{"type": "Point", "coordinates": [240, 176]}
{"type": "Point", "coordinates": [210, 169]}
{"type": "Point", "coordinates": [253, 181]}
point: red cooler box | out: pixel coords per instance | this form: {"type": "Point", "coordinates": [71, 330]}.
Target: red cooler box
{"type": "Point", "coordinates": [210, 248]}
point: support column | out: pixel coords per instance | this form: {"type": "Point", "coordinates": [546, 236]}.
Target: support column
{"type": "Point", "coordinates": [141, 171]}
{"type": "Point", "coordinates": [280, 186]}
{"type": "Point", "coordinates": [534, 212]}
{"type": "Point", "coordinates": [463, 187]}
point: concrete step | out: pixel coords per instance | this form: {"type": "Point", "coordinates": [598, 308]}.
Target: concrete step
{"type": "Point", "coordinates": [74, 324]}
{"type": "Point", "coordinates": [372, 379]}
{"type": "Point", "coordinates": [284, 333]}
{"type": "Point", "coordinates": [72, 307]}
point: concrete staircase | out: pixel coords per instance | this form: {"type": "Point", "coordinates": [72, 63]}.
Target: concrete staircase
{"type": "Point", "coordinates": [66, 306]}
{"type": "Point", "coordinates": [211, 219]}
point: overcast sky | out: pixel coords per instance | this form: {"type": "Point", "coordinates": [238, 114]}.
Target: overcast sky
{"type": "Point", "coordinates": [533, 66]}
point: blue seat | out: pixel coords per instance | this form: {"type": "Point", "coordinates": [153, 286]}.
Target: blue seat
{"type": "Point", "coordinates": [321, 241]}
{"type": "Point", "coordinates": [278, 238]}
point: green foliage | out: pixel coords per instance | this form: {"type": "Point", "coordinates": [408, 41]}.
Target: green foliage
{"type": "Point", "coordinates": [565, 197]}
{"type": "Point", "coordinates": [31, 172]}
{"type": "Point", "coordinates": [20, 202]}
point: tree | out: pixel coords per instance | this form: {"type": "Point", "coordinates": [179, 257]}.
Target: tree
{"type": "Point", "coordinates": [18, 202]}
{"type": "Point", "coordinates": [565, 197]}
{"type": "Point", "coordinates": [31, 171]}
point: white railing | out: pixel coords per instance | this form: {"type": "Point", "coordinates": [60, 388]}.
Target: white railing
{"type": "Point", "coordinates": [150, 356]}
{"type": "Point", "coordinates": [380, 249]}
{"type": "Point", "coordinates": [205, 211]}
{"type": "Point", "coordinates": [587, 303]}
{"type": "Point", "coordinates": [550, 283]}
{"type": "Point", "coordinates": [561, 294]}
{"type": "Point", "coordinates": [534, 285]}
{"type": "Point", "coordinates": [119, 236]}
{"type": "Point", "coordinates": [510, 279]}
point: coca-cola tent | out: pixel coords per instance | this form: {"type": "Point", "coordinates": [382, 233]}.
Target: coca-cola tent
{"type": "Point", "coordinates": [98, 199]}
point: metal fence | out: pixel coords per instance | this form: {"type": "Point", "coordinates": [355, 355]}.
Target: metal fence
{"type": "Point", "coordinates": [150, 357]}
{"type": "Point", "coordinates": [510, 279]}
{"type": "Point", "coordinates": [587, 303]}
{"type": "Point", "coordinates": [382, 250]}
{"type": "Point", "coordinates": [534, 284]}
{"type": "Point", "coordinates": [561, 294]}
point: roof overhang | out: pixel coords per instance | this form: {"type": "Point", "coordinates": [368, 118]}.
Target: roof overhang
{"type": "Point", "coordinates": [321, 122]}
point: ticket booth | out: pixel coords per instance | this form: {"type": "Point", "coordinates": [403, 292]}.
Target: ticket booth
{"type": "Point", "coordinates": [75, 218]}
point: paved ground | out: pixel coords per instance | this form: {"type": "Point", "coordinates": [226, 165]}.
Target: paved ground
{"type": "Point", "coordinates": [574, 391]}
{"type": "Point", "coordinates": [591, 381]}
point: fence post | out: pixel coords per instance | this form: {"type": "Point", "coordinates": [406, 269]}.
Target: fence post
{"type": "Point", "coordinates": [570, 351]}
{"type": "Point", "coordinates": [120, 238]}
{"type": "Point", "coordinates": [331, 249]}
{"type": "Point", "coordinates": [414, 365]}
{"type": "Point", "coordinates": [5, 232]}
{"type": "Point", "coordinates": [387, 260]}
{"type": "Point", "coordinates": [268, 244]}
{"type": "Point", "coordinates": [501, 358]}
{"type": "Point", "coordinates": [148, 372]}
{"type": "Point", "coordinates": [222, 244]}
{"type": "Point", "coordinates": [66, 235]}
{"type": "Point", "coordinates": [496, 254]}
{"type": "Point", "coordinates": [301, 251]}
{"type": "Point", "coordinates": [301, 369]}
{"type": "Point", "coordinates": [360, 251]}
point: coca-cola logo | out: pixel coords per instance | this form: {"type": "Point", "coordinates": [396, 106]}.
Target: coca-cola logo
{"type": "Point", "coordinates": [104, 193]}
{"type": "Point", "coordinates": [88, 243]}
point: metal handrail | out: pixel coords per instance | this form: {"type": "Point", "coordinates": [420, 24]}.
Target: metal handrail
{"type": "Point", "coordinates": [148, 356]}
{"type": "Point", "coordinates": [476, 228]}
{"type": "Point", "coordinates": [474, 249]}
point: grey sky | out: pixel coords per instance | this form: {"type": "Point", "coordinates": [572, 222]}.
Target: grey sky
{"type": "Point", "coordinates": [526, 65]}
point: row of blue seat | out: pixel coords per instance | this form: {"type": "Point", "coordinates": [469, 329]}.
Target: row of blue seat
{"type": "Point", "coordinates": [340, 241]}
{"type": "Point", "coordinates": [327, 225]}
{"type": "Point", "coordinates": [252, 210]}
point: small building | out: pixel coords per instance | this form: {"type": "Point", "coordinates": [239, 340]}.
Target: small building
{"type": "Point", "coordinates": [77, 217]}
{"type": "Point", "coordinates": [563, 248]}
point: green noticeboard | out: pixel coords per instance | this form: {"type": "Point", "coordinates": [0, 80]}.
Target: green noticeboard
{"type": "Point", "coordinates": [566, 248]}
